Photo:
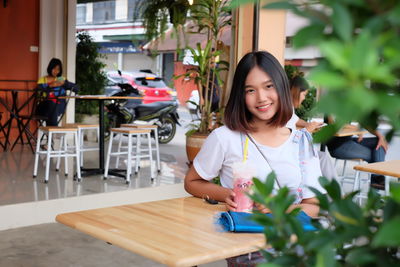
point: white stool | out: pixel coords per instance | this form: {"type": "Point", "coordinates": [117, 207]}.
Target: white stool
{"type": "Point", "coordinates": [353, 180]}
{"type": "Point", "coordinates": [81, 129]}
{"type": "Point", "coordinates": [130, 133]}
{"type": "Point", "coordinates": [151, 127]}
{"type": "Point", "coordinates": [62, 152]}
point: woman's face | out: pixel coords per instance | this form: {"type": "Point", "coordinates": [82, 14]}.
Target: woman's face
{"type": "Point", "coordinates": [55, 71]}
{"type": "Point", "coordinates": [303, 95]}
{"type": "Point", "coordinates": [261, 97]}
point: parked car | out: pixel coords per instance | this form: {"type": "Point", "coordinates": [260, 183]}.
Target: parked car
{"type": "Point", "coordinates": [152, 87]}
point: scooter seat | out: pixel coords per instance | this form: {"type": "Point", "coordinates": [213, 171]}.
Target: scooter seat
{"type": "Point", "coordinates": [147, 109]}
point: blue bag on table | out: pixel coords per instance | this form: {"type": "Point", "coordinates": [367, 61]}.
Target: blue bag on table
{"type": "Point", "coordinates": [240, 222]}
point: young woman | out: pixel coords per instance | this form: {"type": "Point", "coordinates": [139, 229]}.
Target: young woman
{"type": "Point", "coordinates": [258, 109]}
{"type": "Point", "coordinates": [299, 89]}
{"type": "Point", "coordinates": [51, 86]}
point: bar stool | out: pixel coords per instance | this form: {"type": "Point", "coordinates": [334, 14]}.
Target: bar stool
{"type": "Point", "coordinates": [130, 133]}
{"type": "Point", "coordinates": [81, 130]}
{"type": "Point", "coordinates": [353, 180]}
{"type": "Point", "coordinates": [151, 127]}
{"type": "Point", "coordinates": [62, 152]}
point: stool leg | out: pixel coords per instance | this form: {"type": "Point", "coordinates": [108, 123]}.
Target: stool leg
{"type": "Point", "coordinates": [35, 168]}
{"type": "Point", "coordinates": [151, 156]}
{"type": "Point", "coordinates": [77, 153]}
{"type": "Point", "coordinates": [129, 165]}
{"type": "Point", "coordinates": [60, 149]}
{"type": "Point", "coordinates": [344, 167]}
{"type": "Point", "coordinates": [50, 138]}
{"type": "Point", "coordinates": [108, 155]}
{"type": "Point", "coordinates": [81, 145]}
{"type": "Point", "coordinates": [65, 151]}
{"type": "Point", "coordinates": [157, 150]}
{"type": "Point", "coordinates": [138, 136]}
{"type": "Point", "coordinates": [119, 150]}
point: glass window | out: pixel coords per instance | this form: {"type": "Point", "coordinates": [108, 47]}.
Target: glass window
{"type": "Point", "coordinates": [104, 11]}
{"type": "Point", "coordinates": [133, 9]}
{"type": "Point", "coordinates": [81, 14]}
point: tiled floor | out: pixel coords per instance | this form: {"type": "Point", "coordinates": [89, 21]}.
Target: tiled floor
{"type": "Point", "coordinates": [17, 184]}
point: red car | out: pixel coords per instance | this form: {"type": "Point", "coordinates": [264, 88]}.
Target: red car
{"type": "Point", "coordinates": [153, 87]}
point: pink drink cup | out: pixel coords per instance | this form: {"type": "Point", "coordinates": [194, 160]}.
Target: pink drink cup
{"type": "Point", "coordinates": [242, 186]}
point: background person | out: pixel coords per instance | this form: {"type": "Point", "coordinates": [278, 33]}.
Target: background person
{"type": "Point", "coordinates": [299, 89]}
{"type": "Point", "coordinates": [51, 87]}
{"type": "Point", "coordinates": [370, 149]}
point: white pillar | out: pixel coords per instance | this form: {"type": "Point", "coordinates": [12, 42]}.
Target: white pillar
{"type": "Point", "coordinates": [120, 61]}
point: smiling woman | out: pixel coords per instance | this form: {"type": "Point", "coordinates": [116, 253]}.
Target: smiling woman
{"type": "Point", "coordinates": [257, 111]}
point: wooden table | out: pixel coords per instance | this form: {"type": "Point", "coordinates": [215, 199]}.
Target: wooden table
{"type": "Point", "coordinates": [389, 168]}
{"type": "Point", "coordinates": [100, 99]}
{"type": "Point", "coordinates": [175, 232]}
{"type": "Point", "coordinates": [350, 130]}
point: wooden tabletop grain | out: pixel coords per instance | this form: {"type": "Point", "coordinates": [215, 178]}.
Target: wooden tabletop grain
{"type": "Point", "coordinates": [175, 232]}
{"type": "Point", "coordinates": [390, 168]}
{"type": "Point", "coordinates": [350, 130]}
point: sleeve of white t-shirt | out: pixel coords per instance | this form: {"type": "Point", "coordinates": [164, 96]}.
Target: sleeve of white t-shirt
{"type": "Point", "coordinates": [292, 122]}
{"type": "Point", "coordinates": [312, 169]}
{"type": "Point", "coordinates": [208, 161]}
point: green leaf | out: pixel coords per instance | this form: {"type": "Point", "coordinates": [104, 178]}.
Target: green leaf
{"type": "Point", "coordinates": [280, 5]}
{"type": "Point", "coordinates": [388, 235]}
{"type": "Point", "coordinates": [335, 53]}
{"type": "Point", "coordinates": [309, 35]}
{"type": "Point", "coordinates": [395, 191]}
{"type": "Point", "coordinates": [342, 21]}
{"type": "Point", "coordinates": [360, 256]}
{"type": "Point", "coordinates": [326, 257]}
{"type": "Point", "coordinates": [363, 56]}
{"type": "Point", "coordinates": [323, 200]}
{"type": "Point", "coordinates": [328, 79]}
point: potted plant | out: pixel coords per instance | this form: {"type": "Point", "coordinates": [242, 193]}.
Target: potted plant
{"type": "Point", "coordinates": [209, 18]}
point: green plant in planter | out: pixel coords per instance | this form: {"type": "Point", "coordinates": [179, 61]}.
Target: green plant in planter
{"type": "Point", "coordinates": [209, 17]}
{"type": "Point", "coordinates": [89, 73]}
{"type": "Point", "coordinates": [351, 235]}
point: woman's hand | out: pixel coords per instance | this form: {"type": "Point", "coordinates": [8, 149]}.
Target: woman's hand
{"type": "Point", "coordinates": [313, 126]}
{"type": "Point", "coordinates": [382, 143]}
{"type": "Point", "coordinates": [229, 201]}
{"type": "Point", "coordinates": [57, 83]}
{"type": "Point", "coordinates": [262, 208]}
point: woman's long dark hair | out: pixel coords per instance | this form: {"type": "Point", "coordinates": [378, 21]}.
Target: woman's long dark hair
{"type": "Point", "coordinates": [237, 116]}
{"type": "Point", "coordinates": [52, 64]}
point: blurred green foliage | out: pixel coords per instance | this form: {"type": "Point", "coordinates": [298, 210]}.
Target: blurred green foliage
{"type": "Point", "coordinates": [349, 235]}
{"type": "Point", "coordinates": [89, 73]}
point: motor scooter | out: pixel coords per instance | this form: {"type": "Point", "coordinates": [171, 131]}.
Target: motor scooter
{"type": "Point", "coordinates": [163, 114]}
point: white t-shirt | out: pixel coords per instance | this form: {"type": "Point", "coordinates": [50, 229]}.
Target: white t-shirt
{"type": "Point", "coordinates": [292, 122]}
{"type": "Point", "coordinates": [224, 147]}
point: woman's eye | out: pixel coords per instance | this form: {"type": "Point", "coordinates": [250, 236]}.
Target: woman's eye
{"type": "Point", "coordinates": [249, 91]}
{"type": "Point", "coordinates": [270, 86]}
